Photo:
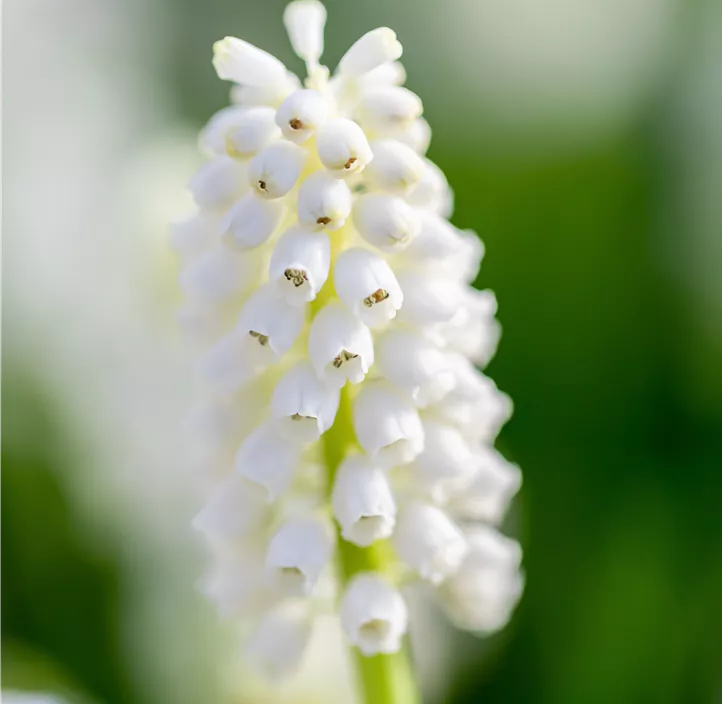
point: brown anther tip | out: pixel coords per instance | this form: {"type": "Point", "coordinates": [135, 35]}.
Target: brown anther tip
{"type": "Point", "coordinates": [295, 124]}
{"type": "Point", "coordinates": [262, 185]}
{"type": "Point", "coordinates": [350, 163]}
{"type": "Point", "coordinates": [376, 297]}
{"type": "Point", "coordinates": [323, 221]}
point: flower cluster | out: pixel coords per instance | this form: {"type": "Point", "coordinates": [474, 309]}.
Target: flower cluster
{"type": "Point", "coordinates": [338, 334]}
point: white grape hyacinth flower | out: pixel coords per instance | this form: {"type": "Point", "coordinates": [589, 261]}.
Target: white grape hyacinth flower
{"type": "Point", "coordinates": [330, 298]}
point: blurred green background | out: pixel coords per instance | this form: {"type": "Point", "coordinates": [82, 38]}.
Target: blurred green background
{"type": "Point", "coordinates": [583, 141]}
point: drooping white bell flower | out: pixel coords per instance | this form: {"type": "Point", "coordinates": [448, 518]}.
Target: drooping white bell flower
{"type": "Point", "coordinates": [339, 346]}
{"type": "Point", "coordinates": [362, 501]}
{"type": "Point", "coordinates": [308, 179]}
{"type": "Point", "coordinates": [277, 645]}
{"type": "Point", "coordinates": [484, 591]}
{"type": "Point", "coordinates": [297, 554]}
{"type": "Point", "coordinates": [429, 542]}
{"type": "Point", "coordinates": [304, 406]}
{"type": "Point", "coordinates": [300, 263]}
{"type": "Point", "coordinates": [373, 614]}
{"type": "Point", "coordinates": [367, 286]}
{"type": "Point", "coordinates": [268, 459]}
{"type": "Point", "coordinates": [387, 425]}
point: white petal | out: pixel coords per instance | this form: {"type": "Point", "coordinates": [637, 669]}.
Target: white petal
{"type": "Point", "coordinates": [241, 62]}
{"type": "Point", "coordinates": [235, 510]}
{"type": "Point", "coordinates": [437, 239]}
{"type": "Point", "coordinates": [213, 136]}
{"type": "Point", "coordinates": [392, 73]}
{"type": "Point", "coordinates": [446, 466]}
{"type": "Point", "coordinates": [416, 134]}
{"type": "Point", "coordinates": [297, 554]}
{"type": "Point", "coordinates": [342, 147]}
{"type": "Point", "coordinates": [304, 21]}
{"type": "Point", "coordinates": [429, 300]}
{"type": "Point", "coordinates": [229, 364]}
{"type": "Point", "coordinates": [301, 114]}
{"type": "Point", "coordinates": [277, 646]}
{"type": "Point", "coordinates": [304, 406]}
{"type": "Point", "coordinates": [367, 286]}
{"type": "Point", "coordinates": [299, 265]}
{"type": "Point", "coordinates": [218, 183]}
{"type": "Point", "coordinates": [395, 167]}
{"type": "Point", "coordinates": [339, 346]}
{"type": "Point", "coordinates": [251, 132]}
{"type": "Point", "coordinates": [429, 542]}
{"type": "Point", "coordinates": [267, 94]}
{"type": "Point", "coordinates": [235, 583]}
{"type": "Point", "coordinates": [251, 221]}
{"type": "Point", "coordinates": [373, 614]}
{"type": "Point", "coordinates": [271, 321]}
{"type": "Point", "coordinates": [273, 172]}
{"type": "Point", "coordinates": [387, 425]}
{"type": "Point", "coordinates": [483, 593]}
{"type": "Point", "coordinates": [414, 364]}
{"type": "Point", "coordinates": [324, 202]}
{"type": "Point", "coordinates": [474, 331]}
{"type": "Point", "coordinates": [218, 274]}
{"type": "Point", "coordinates": [386, 222]}
{"type": "Point", "coordinates": [432, 192]}
{"type": "Point", "coordinates": [387, 108]}
{"type": "Point", "coordinates": [194, 234]}
{"type": "Point", "coordinates": [494, 484]}
{"type": "Point", "coordinates": [362, 501]}
{"type": "Point", "coordinates": [373, 49]}
{"type": "Point", "coordinates": [268, 459]}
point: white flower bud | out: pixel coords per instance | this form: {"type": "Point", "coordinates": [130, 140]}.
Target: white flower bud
{"type": "Point", "coordinates": [367, 286]}
{"type": "Point", "coordinates": [432, 192]}
{"type": "Point", "coordinates": [395, 167]}
{"type": "Point", "coordinates": [267, 94]}
{"type": "Point", "coordinates": [304, 406]}
{"type": "Point", "coordinates": [297, 554]}
{"type": "Point", "coordinates": [273, 172]}
{"type": "Point", "coordinates": [250, 132]}
{"type": "Point", "coordinates": [474, 331]}
{"type": "Point", "coordinates": [437, 239]}
{"type": "Point", "coordinates": [428, 300]}
{"type": "Point", "coordinates": [369, 51]}
{"type": "Point", "coordinates": [241, 62]}
{"type": "Point", "coordinates": [392, 73]}
{"type": "Point", "coordinates": [362, 502]}
{"type": "Point", "coordinates": [218, 183]}
{"type": "Point", "coordinates": [235, 583]}
{"type": "Point", "coordinates": [416, 134]}
{"type": "Point", "coordinates": [446, 466]}
{"type": "Point", "coordinates": [340, 346]}
{"type": "Point", "coordinates": [483, 593]}
{"type": "Point", "coordinates": [230, 363]}
{"type": "Point", "coordinates": [388, 108]}
{"type": "Point", "coordinates": [324, 201]}
{"type": "Point", "coordinates": [212, 139]}
{"type": "Point", "coordinates": [218, 274]}
{"type": "Point", "coordinates": [299, 264]}
{"type": "Point", "coordinates": [271, 322]}
{"type": "Point", "coordinates": [386, 222]}
{"type": "Point", "coordinates": [494, 484]}
{"type": "Point", "coordinates": [342, 147]}
{"type": "Point", "coordinates": [279, 642]}
{"type": "Point", "coordinates": [304, 21]}
{"type": "Point", "coordinates": [234, 511]}
{"type": "Point", "coordinates": [373, 614]}
{"type": "Point", "coordinates": [387, 425]}
{"type": "Point", "coordinates": [251, 221]}
{"type": "Point", "coordinates": [415, 365]}
{"type": "Point", "coordinates": [301, 114]}
{"type": "Point", "coordinates": [429, 542]}
{"type": "Point", "coordinates": [268, 459]}
{"type": "Point", "coordinates": [192, 235]}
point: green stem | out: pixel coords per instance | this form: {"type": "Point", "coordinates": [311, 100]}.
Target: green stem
{"type": "Point", "coordinates": [384, 679]}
